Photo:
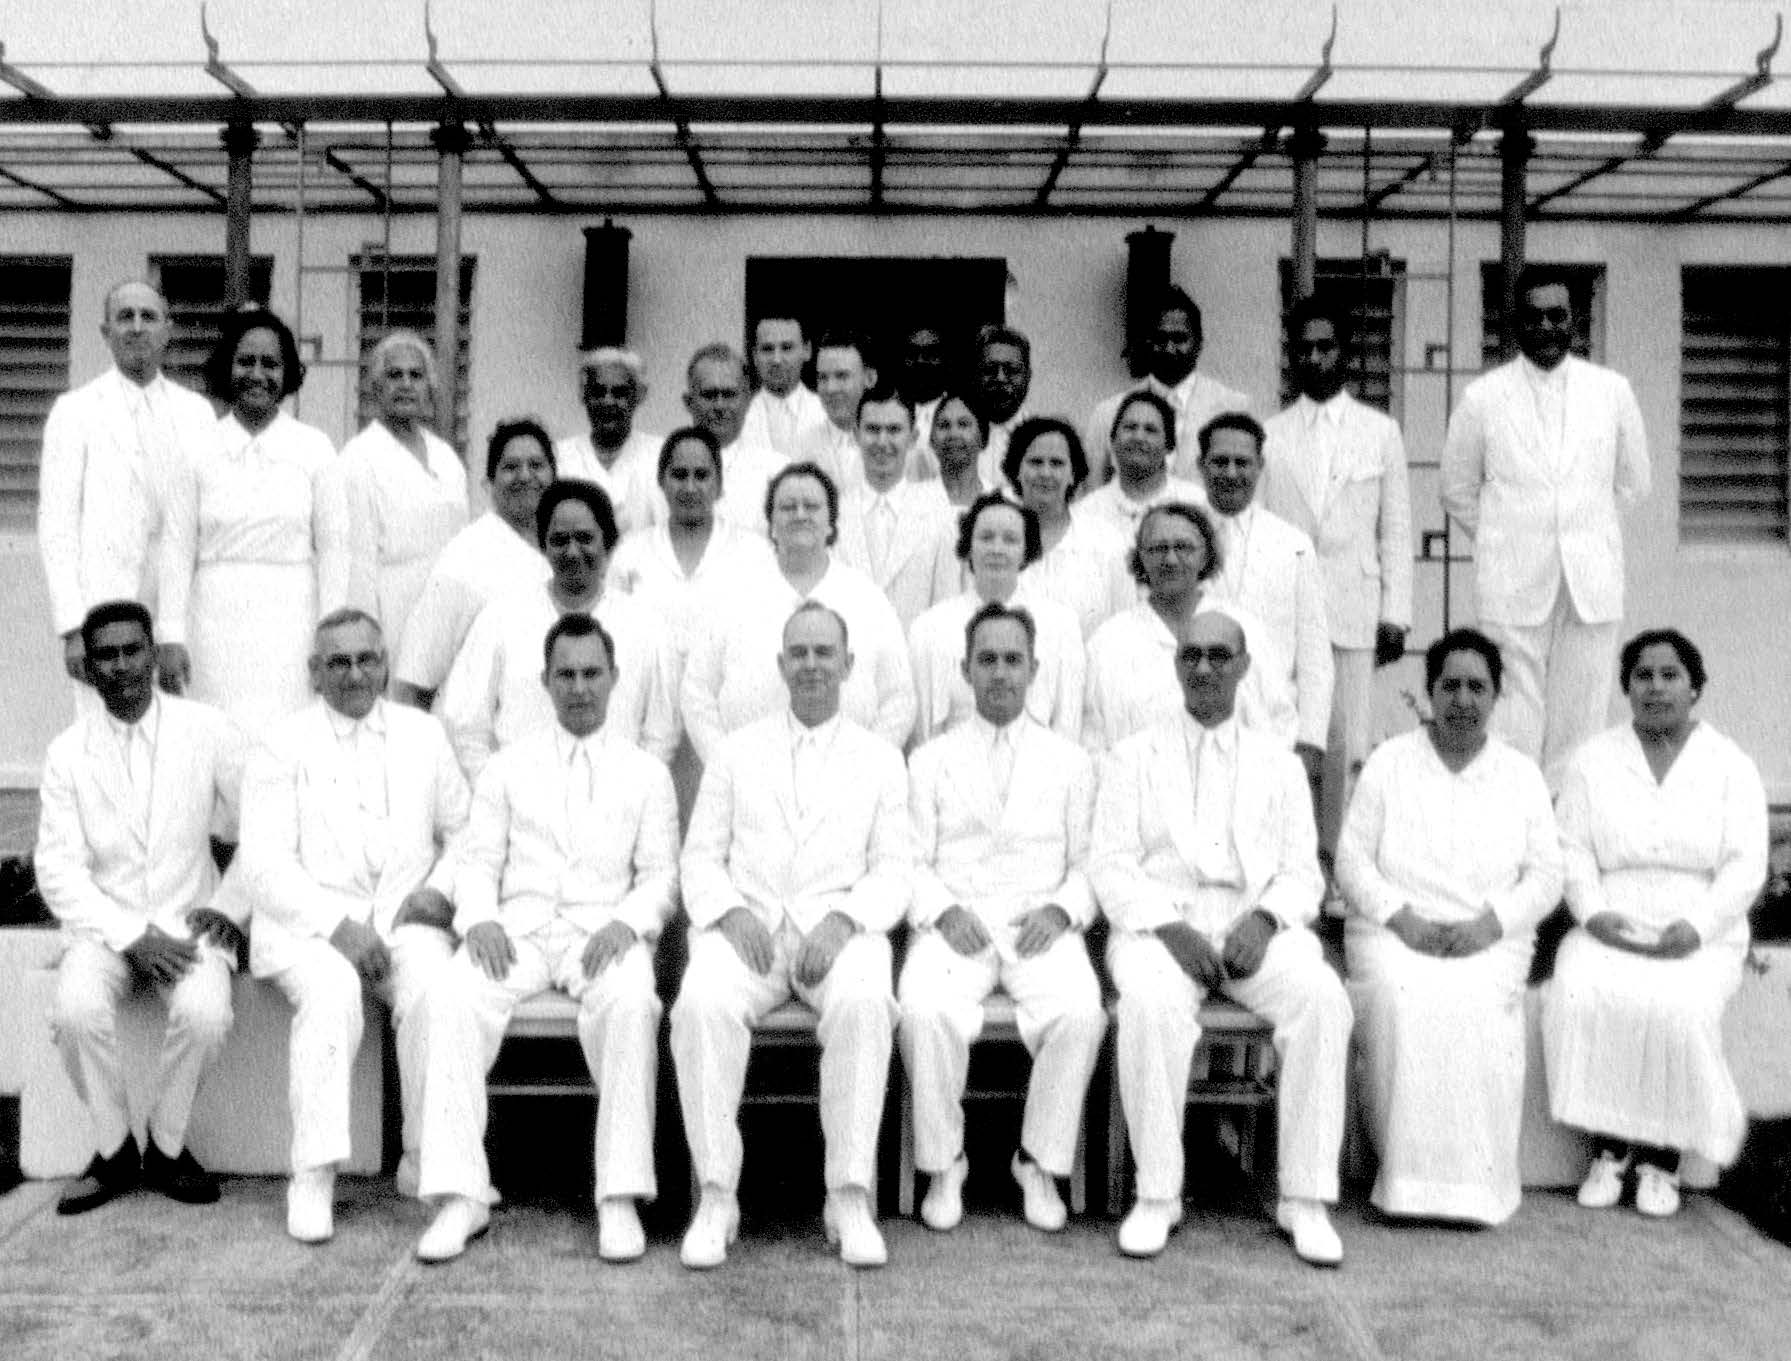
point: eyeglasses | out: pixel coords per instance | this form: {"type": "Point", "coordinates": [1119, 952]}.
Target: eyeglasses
{"type": "Point", "coordinates": [1215, 657]}
{"type": "Point", "coordinates": [341, 663]}
{"type": "Point", "coordinates": [1186, 548]}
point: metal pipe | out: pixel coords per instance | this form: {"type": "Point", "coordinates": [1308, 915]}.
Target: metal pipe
{"type": "Point", "coordinates": [451, 142]}
{"type": "Point", "coordinates": [1306, 145]}
{"type": "Point", "coordinates": [1515, 146]}
{"type": "Point", "coordinates": [240, 141]}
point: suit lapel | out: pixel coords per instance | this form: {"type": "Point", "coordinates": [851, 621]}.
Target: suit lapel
{"type": "Point", "coordinates": [979, 779]}
{"type": "Point", "coordinates": [1174, 791]}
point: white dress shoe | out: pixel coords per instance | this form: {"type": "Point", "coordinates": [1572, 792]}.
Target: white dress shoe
{"type": "Point", "coordinates": [1603, 1186]}
{"type": "Point", "coordinates": [715, 1224]}
{"type": "Point", "coordinates": [620, 1237]}
{"type": "Point", "coordinates": [1042, 1205]}
{"type": "Point", "coordinates": [1657, 1191]}
{"type": "Point", "coordinates": [1145, 1232]}
{"type": "Point", "coordinates": [848, 1221]}
{"type": "Point", "coordinates": [311, 1205]}
{"type": "Point", "coordinates": [460, 1220]}
{"type": "Point", "coordinates": [1307, 1223]}
{"type": "Point", "coordinates": [943, 1209]}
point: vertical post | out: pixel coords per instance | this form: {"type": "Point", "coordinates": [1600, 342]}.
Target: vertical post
{"type": "Point", "coordinates": [1306, 146]}
{"type": "Point", "coordinates": [240, 141]}
{"type": "Point", "coordinates": [1515, 146]}
{"type": "Point", "coordinates": [451, 141]}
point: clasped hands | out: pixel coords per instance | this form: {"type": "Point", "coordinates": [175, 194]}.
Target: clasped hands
{"type": "Point", "coordinates": [163, 958]}
{"type": "Point", "coordinates": [751, 940]}
{"type": "Point", "coordinates": [1623, 933]}
{"type": "Point", "coordinates": [363, 947]}
{"type": "Point", "coordinates": [1037, 930]}
{"type": "Point", "coordinates": [1239, 958]}
{"type": "Point", "coordinates": [1445, 940]}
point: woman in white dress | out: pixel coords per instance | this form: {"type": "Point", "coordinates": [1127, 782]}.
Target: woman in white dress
{"type": "Point", "coordinates": [1664, 830]}
{"type": "Point", "coordinates": [1083, 563]}
{"type": "Point", "coordinates": [1448, 859]}
{"type": "Point", "coordinates": [256, 531]}
{"type": "Point", "coordinates": [404, 486]}
{"type": "Point", "coordinates": [953, 452]}
{"type": "Point", "coordinates": [996, 539]}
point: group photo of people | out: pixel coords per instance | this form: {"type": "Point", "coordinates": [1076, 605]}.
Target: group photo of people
{"type": "Point", "coordinates": [876, 688]}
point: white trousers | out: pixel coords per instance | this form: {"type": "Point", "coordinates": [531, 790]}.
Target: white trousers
{"type": "Point", "coordinates": [618, 1030]}
{"type": "Point", "coordinates": [712, 1036]}
{"type": "Point", "coordinates": [1346, 747]}
{"type": "Point", "coordinates": [1057, 1007]}
{"type": "Point", "coordinates": [1558, 680]}
{"type": "Point", "coordinates": [90, 982]}
{"type": "Point", "coordinates": [1159, 1007]}
{"type": "Point", "coordinates": [326, 996]}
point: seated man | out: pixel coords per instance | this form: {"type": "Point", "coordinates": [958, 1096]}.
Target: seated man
{"type": "Point", "coordinates": [346, 811]}
{"type": "Point", "coordinates": [1205, 861]}
{"type": "Point", "coordinates": [124, 861]}
{"type": "Point", "coordinates": [795, 869]}
{"type": "Point", "coordinates": [568, 870]}
{"type": "Point", "coordinates": [1001, 808]}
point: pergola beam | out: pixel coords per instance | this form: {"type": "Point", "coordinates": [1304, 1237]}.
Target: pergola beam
{"type": "Point", "coordinates": [1073, 134]}
{"type": "Point", "coordinates": [341, 167]}
{"type": "Point", "coordinates": [488, 132]}
{"type": "Point", "coordinates": [59, 199]}
{"type": "Point", "coordinates": [677, 112]}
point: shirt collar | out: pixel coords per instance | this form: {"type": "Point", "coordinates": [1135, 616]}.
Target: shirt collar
{"type": "Point", "coordinates": [1555, 378]}
{"type": "Point", "coordinates": [345, 727]}
{"type": "Point", "coordinates": [1223, 735]}
{"type": "Point", "coordinates": [566, 746]}
{"type": "Point", "coordinates": [987, 732]}
{"type": "Point", "coordinates": [822, 733]}
{"type": "Point", "coordinates": [149, 725]}
{"type": "Point", "coordinates": [1330, 410]}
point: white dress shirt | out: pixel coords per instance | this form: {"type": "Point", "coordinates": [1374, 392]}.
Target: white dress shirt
{"type": "Point", "coordinates": [786, 425]}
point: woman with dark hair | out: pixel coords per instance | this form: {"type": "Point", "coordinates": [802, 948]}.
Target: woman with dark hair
{"type": "Point", "coordinates": [1144, 437]}
{"type": "Point", "coordinates": [954, 451]}
{"type": "Point", "coordinates": [1664, 829]}
{"type": "Point", "coordinates": [1083, 564]}
{"type": "Point", "coordinates": [1448, 859]}
{"type": "Point", "coordinates": [255, 533]}
{"type": "Point", "coordinates": [996, 540]}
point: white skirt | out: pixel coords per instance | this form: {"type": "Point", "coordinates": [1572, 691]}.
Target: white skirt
{"type": "Point", "coordinates": [249, 632]}
{"type": "Point", "coordinates": [1635, 1046]}
{"type": "Point", "coordinates": [1440, 1055]}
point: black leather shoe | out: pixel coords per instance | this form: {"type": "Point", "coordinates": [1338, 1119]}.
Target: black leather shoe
{"type": "Point", "coordinates": [179, 1178]}
{"type": "Point", "coordinates": [104, 1179]}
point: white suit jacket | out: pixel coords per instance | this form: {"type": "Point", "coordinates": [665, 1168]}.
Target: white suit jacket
{"type": "Point", "coordinates": [301, 858]}
{"type": "Point", "coordinates": [757, 427]}
{"type": "Point", "coordinates": [922, 567]}
{"type": "Point", "coordinates": [100, 498]}
{"type": "Point", "coordinates": [522, 863]}
{"type": "Point", "coordinates": [999, 858]}
{"type": "Point", "coordinates": [1271, 569]}
{"type": "Point", "coordinates": [1540, 515]}
{"type": "Point", "coordinates": [99, 873]}
{"type": "Point", "coordinates": [847, 849]}
{"type": "Point", "coordinates": [1357, 513]}
{"type": "Point", "coordinates": [1142, 861]}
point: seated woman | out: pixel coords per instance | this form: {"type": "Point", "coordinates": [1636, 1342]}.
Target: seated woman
{"type": "Point", "coordinates": [1448, 859]}
{"type": "Point", "coordinates": [1663, 826]}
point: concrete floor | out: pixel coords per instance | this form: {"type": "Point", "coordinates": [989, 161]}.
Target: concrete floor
{"type": "Point", "coordinates": [144, 1278]}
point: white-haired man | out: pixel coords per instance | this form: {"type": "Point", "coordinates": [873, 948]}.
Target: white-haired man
{"type": "Point", "coordinates": [614, 455]}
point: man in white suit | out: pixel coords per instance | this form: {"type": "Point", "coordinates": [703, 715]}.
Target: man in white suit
{"type": "Point", "coordinates": [347, 812]}
{"type": "Point", "coordinates": [784, 415]}
{"type": "Point", "coordinates": [130, 797]}
{"type": "Point", "coordinates": [1542, 453]}
{"type": "Point", "coordinates": [794, 871]}
{"type": "Point", "coordinates": [111, 453]}
{"type": "Point", "coordinates": [715, 395]}
{"type": "Point", "coordinates": [568, 871]}
{"type": "Point", "coordinates": [1270, 569]}
{"type": "Point", "coordinates": [901, 534]}
{"type": "Point", "coordinates": [1001, 807]}
{"type": "Point", "coordinates": [842, 377]}
{"type": "Point", "coordinates": [1335, 470]}
{"type": "Point", "coordinates": [1205, 861]}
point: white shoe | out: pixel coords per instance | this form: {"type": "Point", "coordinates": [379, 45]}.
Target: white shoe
{"type": "Point", "coordinates": [1145, 1232]}
{"type": "Point", "coordinates": [620, 1237]}
{"type": "Point", "coordinates": [848, 1221]}
{"type": "Point", "coordinates": [713, 1227]}
{"type": "Point", "coordinates": [943, 1209]}
{"type": "Point", "coordinates": [1657, 1191]}
{"type": "Point", "coordinates": [1307, 1223]}
{"type": "Point", "coordinates": [1038, 1195]}
{"type": "Point", "coordinates": [460, 1220]}
{"type": "Point", "coordinates": [1603, 1186]}
{"type": "Point", "coordinates": [311, 1205]}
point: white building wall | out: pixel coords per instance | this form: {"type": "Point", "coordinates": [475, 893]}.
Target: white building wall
{"type": "Point", "coordinates": [1066, 291]}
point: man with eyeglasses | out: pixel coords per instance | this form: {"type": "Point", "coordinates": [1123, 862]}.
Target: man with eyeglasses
{"type": "Point", "coordinates": [348, 811]}
{"type": "Point", "coordinates": [1204, 859]}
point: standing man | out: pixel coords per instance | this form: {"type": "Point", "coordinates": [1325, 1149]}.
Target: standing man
{"type": "Point", "coordinates": [1542, 453]}
{"type": "Point", "coordinates": [1171, 353]}
{"type": "Point", "coordinates": [124, 862]}
{"type": "Point", "coordinates": [924, 369]}
{"type": "Point", "coordinates": [715, 396]}
{"type": "Point", "coordinates": [1335, 470]}
{"type": "Point", "coordinates": [783, 415]}
{"type": "Point", "coordinates": [796, 868]}
{"type": "Point", "coordinates": [899, 533]}
{"type": "Point", "coordinates": [569, 870]}
{"type": "Point", "coordinates": [614, 455]}
{"type": "Point", "coordinates": [1205, 862]}
{"type": "Point", "coordinates": [348, 810]}
{"type": "Point", "coordinates": [842, 377]}
{"type": "Point", "coordinates": [110, 454]}
{"type": "Point", "coordinates": [1001, 807]}
{"type": "Point", "coordinates": [1001, 377]}
{"type": "Point", "coordinates": [1270, 568]}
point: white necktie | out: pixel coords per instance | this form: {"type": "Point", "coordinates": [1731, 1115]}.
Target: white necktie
{"type": "Point", "coordinates": [806, 772]}
{"type": "Point", "coordinates": [1002, 763]}
{"type": "Point", "coordinates": [879, 532]}
{"type": "Point", "coordinates": [139, 763]}
{"type": "Point", "coordinates": [368, 759]}
{"type": "Point", "coordinates": [781, 422]}
{"type": "Point", "coordinates": [581, 787]}
{"type": "Point", "coordinates": [1550, 411]}
{"type": "Point", "coordinates": [1215, 860]}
